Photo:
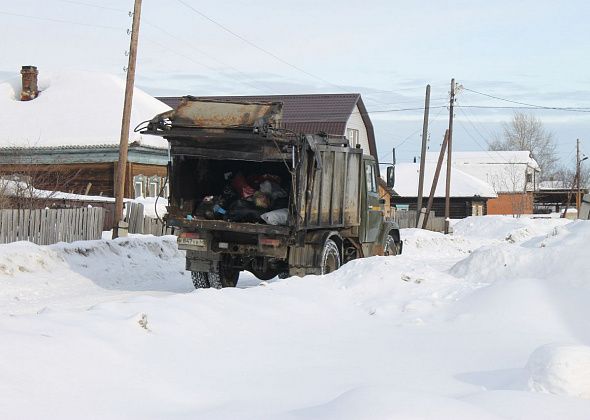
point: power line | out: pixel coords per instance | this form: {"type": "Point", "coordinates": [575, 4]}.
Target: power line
{"type": "Point", "coordinates": [189, 45]}
{"type": "Point", "coordinates": [267, 52]}
{"type": "Point", "coordinates": [96, 6]}
{"type": "Point", "coordinates": [70, 22]}
{"type": "Point", "coordinates": [579, 109]}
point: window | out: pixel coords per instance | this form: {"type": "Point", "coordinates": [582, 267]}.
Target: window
{"type": "Point", "coordinates": [529, 177]}
{"type": "Point", "coordinates": [371, 181]}
{"type": "Point", "coordinates": [352, 134]}
{"type": "Point", "coordinates": [138, 189]}
{"type": "Point", "coordinates": [477, 209]}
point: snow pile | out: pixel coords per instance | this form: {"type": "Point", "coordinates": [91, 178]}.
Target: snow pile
{"type": "Point", "coordinates": [74, 108]}
{"type": "Point", "coordinates": [511, 229]}
{"type": "Point", "coordinates": [560, 370]}
{"type": "Point", "coordinates": [543, 257]}
{"type": "Point", "coordinates": [33, 276]}
{"type": "Point", "coordinates": [443, 331]}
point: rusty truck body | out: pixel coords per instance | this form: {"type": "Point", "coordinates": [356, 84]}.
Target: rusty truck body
{"type": "Point", "coordinates": [334, 212]}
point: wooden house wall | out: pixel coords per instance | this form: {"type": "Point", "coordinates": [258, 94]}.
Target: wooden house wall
{"type": "Point", "coordinates": [459, 209]}
{"type": "Point", "coordinates": [74, 178]}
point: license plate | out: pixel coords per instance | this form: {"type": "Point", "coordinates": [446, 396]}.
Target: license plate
{"type": "Point", "coordinates": [192, 242]}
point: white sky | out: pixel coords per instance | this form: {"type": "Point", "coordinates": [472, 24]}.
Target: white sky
{"type": "Point", "coordinates": [528, 51]}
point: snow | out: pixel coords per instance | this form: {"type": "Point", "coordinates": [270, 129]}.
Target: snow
{"type": "Point", "coordinates": [490, 157]}
{"type": "Point", "coordinates": [462, 184]}
{"type": "Point", "coordinates": [74, 108]}
{"type": "Point", "coordinates": [503, 170]}
{"type": "Point", "coordinates": [489, 323]}
{"type": "Point", "coordinates": [151, 206]}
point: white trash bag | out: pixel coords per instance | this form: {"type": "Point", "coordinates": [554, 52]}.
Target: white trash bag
{"type": "Point", "coordinates": [276, 217]}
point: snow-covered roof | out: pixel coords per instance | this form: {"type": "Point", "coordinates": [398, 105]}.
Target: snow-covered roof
{"type": "Point", "coordinates": [462, 184]}
{"type": "Point", "coordinates": [505, 170]}
{"type": "Point", "coordinates": [490, 157]}
{"type": "Point", "coordinates": [74, 108]}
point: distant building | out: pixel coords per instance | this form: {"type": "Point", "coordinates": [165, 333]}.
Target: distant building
{"type": "Point", "coordinates": [62, 132]}
{"type": "Point", "coordinates": [469, 195]}
{"type": "Point", "coordinates": [514, 176]}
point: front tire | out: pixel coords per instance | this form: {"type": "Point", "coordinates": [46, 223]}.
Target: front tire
{"type": "Point", "coordinates": [330, 258]}
{"type": "Point", "coordinates": [200, 279]}
{"type": "Point", "coordinates": [390, 248]}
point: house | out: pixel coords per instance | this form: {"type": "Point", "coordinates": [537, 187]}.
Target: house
{"type": "Point", "coordinates": [61, 131]}
{"type": "Point", "coordinates": [514, 176]}
{"type": "Point", "coordinates": [338, 114]}
{"type": "Point", "coordinates": [469, 195]}
{"type": "Point", "coordinates": [554, 196]}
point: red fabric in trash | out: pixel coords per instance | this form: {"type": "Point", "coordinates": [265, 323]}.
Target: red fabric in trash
{"type": "Point", "coordinates": [241, 186]}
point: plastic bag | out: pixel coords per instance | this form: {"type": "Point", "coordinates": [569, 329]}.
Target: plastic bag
{"type": "Point", "coordinates": [273, 189]}
{"type": "Point", "coordinates": [243, 211]}
{"type": "Point", "coordinates": [276, 217]}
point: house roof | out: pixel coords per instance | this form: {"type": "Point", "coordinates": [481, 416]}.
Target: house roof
{"type": "Point", "coordinates": [462, 184]}
{"type": "Point", "coordinates": [74, 108]}
{"type": "Point", "coordinates": [311, 113]}
{"type": "Point", "coordinates": [490, 157]}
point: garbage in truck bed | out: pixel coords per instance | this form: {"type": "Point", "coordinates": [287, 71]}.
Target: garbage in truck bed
{"type": "Point", "coordinates": [256, 198]}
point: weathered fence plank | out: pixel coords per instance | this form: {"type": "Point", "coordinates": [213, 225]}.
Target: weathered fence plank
{"type": "Point", "coordinates": [49, 226]}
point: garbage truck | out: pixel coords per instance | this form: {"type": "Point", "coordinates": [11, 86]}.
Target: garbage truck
{"type": "Point", "coordinates": [246, 193]}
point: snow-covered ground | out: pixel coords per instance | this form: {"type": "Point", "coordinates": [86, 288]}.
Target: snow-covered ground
{"type": "Point", "coordinates": [489, 323]}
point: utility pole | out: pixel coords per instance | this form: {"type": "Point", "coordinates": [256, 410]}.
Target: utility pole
{"type": "Point", "coordinates": [449, 158]}
{"type": "Point", "coordinates": [423, 154]}
{"type": "Point", "coordinates": [439, 163]}
{"type": "Point", "coordinates": [578, 162]}
{"type": "Point", "coordinates": [124, 141]}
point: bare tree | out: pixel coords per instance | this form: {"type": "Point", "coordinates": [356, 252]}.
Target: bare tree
{"type": "Point", "coordinates": [28, 185]}
{"type": "Point", "coordinates": [526, 132]}
{"type": "Point", "coordinates": [512, 183]}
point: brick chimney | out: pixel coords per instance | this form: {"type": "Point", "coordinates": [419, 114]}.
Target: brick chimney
{"type": "Point", "coordinates": [30, 90]}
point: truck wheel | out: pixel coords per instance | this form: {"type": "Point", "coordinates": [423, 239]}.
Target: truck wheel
{"type": "Point", "coordinates": [330, 257]}
{"type": "Point", "coordinates": [390, 247]}
{"type": "Point", "coordinates": [200, 279]}
{"type": "Point", "coordinates": [224, 278]}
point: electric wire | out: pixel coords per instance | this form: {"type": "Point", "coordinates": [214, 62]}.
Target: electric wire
{"type": "Point", "coordinates": [70, 22]}
{"type": "Point", "coordinates": [579, 109]}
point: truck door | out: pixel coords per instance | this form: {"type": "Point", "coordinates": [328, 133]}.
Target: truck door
{"type": "Point", "coordinates": [374, 215]}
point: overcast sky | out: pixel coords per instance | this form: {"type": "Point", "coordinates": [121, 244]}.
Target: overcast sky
{"type": "Point", "coordinates": [529, 51]}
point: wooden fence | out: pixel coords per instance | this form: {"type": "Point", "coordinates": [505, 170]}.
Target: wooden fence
{"type": "Point", "coordinates": [407, 219]}
{"type": "Point", "coordinates": [49, 226]}
{"type": "Point", "coordinates": [138, 223]}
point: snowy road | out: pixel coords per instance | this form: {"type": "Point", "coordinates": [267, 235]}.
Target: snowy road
{"type": "Point", "coordinates": [489, 323]}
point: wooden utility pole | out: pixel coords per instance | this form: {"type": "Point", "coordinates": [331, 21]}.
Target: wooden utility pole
{"type": "Point", "coordinates": [423, 154]}
{"type": "Point", "coordinates": [439, 163]}
{"type": "Point", "coordinates": [124, 141]}
{"type": "Point", "coordinates": [449, 158]}
{"type": "Point", "coordinates": [578, 162]}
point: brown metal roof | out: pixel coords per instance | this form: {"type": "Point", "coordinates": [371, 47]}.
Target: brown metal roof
{"type": "Point", "coordinates": [312, 113]}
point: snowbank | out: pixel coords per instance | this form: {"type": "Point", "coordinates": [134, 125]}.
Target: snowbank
{"type": "Point", "coordinates": [443, 331]}
{"type": "Point", "coordinates": [560, 370]}
{"type": "Point", "coordinates": [84, 273]}
{"type": "Point", "coordinates": [74, 108]}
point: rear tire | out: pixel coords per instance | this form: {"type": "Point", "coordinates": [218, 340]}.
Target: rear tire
{"type": "Point", "coordinates": [390, 248]}
{"type": "Point", "coordinates": [330, 257]}
{"type": "Point", "coordinates": [200, 279]}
